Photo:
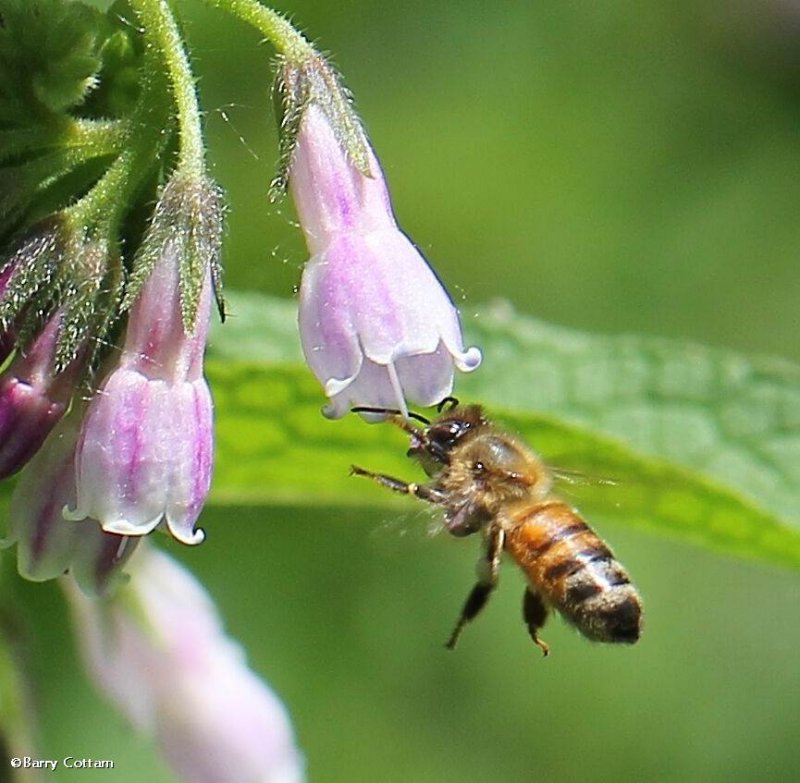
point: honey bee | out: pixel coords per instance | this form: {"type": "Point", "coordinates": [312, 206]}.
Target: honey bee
{"type": "Point", "coordinates": [490, 482]}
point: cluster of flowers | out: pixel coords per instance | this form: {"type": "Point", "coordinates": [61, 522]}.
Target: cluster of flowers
{"type": "Point", "coordinates": [133, 453]}
{"type": "Point", "coordinates": [107, 416]}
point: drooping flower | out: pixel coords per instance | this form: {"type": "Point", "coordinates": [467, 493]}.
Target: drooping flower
{"type": "Point", "coordinates": [144, 455]}
{"type": "Point", "coordinates": [49, 545]}
{"type": "Point", "coordinates": [158, 650]}
{"type": "Point", "coordinates": [376, 325]}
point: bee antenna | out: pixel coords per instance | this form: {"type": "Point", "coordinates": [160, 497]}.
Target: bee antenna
{"type": "Point", "coordinates": [371, 409]}
{"type": "Point", "coordinates": [389, 412]}
{"type": "Point", "coordinates": [450, 402]}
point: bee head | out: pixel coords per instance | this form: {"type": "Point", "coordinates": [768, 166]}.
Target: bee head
{"type": "Point", "coordinates": [433, 444]}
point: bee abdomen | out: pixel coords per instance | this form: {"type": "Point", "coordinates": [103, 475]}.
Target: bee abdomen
{"type": "Point", "coordinates": [574, 570]}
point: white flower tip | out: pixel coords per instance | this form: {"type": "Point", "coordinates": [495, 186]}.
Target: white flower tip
{"type": "Point", "coordinates": [123, 527]}
{"type": "Point", "coordinates": [72, 514]}
{"type": "Point", "coordinates": [184, 535]}
{"type": "Point", "coordinates": [469, 360]}
{"type": "Point", "coordinates": [334, 386]}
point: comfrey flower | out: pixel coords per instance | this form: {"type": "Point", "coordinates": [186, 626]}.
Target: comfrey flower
{"type": "Point", "coordinates": [145, 450]}
{"type": "Point", "coordinates": [157, 649]}
{"type": "Point", "coordinates": [376, 325]}
{"type": "Point", "coordinates": [47, 544]}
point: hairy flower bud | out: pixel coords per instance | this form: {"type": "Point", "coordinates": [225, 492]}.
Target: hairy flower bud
{"type": "Point", "coordinates": [33, 397]}
{"type": "Point", "coordinates": [376, 325]}
{"type": "Point", "coordinates": [158, 651]}
{"type": "Point", "coordinates": [56, 302]}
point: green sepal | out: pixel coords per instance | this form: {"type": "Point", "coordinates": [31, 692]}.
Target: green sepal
{"type": "Point", "coordinates": [187, 220]}
{"type": "Point", "coordinates": [56, 267]}
{"type": "Point", "coordinates": [36, 261]}
{"type": "Point", "coordinates": [89, 296]}
{"type": "Point", "coordinates": [297, 85]}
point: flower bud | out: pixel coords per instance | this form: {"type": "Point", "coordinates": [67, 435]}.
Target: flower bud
{"type": "Point", "coordinates": [33, 397]}
{"type": "Point", "coordinates": [376, 325]}
{"type": "Point", "coordinates": [158, 651]}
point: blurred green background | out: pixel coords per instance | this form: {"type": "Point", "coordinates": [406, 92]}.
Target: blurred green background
{"type": "Point", "coordinates": [612, 166]}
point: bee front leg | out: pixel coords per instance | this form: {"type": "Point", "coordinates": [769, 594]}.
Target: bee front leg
{"type": "Point", "coordinates": [488, 574]}
{"type": "Point", "coordinates": [421, 491]}
{"type": "Point", "coordinates": [535, 613]}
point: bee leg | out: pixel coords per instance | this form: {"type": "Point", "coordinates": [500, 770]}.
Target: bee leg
{"type": "Point", "coordinates": [421, 491]}
{"type": "Point", "coordinates": [488, 573]}
{"type": "Point", "coordinates": [535, 613]}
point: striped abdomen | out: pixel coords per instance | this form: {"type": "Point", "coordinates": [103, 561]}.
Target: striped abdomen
{"type": "Point", "coordinates": [572, 570]}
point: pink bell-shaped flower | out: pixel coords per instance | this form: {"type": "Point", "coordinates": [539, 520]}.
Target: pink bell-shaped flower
{"type": "Point", "coordinates": [376, 325]}
{"type": "Point", "coordinates": [144, 455]}
{"type": "Point", "coordinates": [158, 650]}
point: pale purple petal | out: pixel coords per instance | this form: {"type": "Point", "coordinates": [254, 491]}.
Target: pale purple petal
{"type": "Point", "coordinates": [145, 456]}
{"type": "Point", "coordinates": [373, 386]}
{"type": "Point", "coordinates": [426, 378]}
{"type": "Point", "coordinates": [47, 544]}
{"type": "Point", "coordinates": [159, 652]}
{"type": "Point", "coordinates": [99, 557]}
{"type": "Point", "coordinates": [27, 415]}
{"type": "Point", "coordinates": [352, 201]}
{"type": "Point", "coordinates": [190, 477]}
{"type": "Point", "coordinates": [45, 540]}
{"type": "Point", "coordinates": [156, 343]}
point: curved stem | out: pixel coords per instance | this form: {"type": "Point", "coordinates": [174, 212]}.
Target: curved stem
{"type": "Point", "coordinates": [283, 36]}
{"type": "Point", "coordinates": [101, 209]}
{"type": "Point", "coordinates": [65, 133]}
{"type": "Point", "coordinates": [164, 40]}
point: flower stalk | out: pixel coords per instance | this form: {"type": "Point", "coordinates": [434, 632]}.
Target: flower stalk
{"type": "Point", "coordinates": [162, 36]}
{"type": "Point", "coordinates": [275, 28]}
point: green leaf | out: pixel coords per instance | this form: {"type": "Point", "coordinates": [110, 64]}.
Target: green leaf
{"type": "Point", "coordinates": [702, 444]}
{"type": "Point", "coordinates": [48, 56]}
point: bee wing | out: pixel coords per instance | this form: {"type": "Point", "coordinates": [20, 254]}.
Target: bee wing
{"type": "Point", "coordinates": [413, 528]}
{"type": "Point", "coordinates": [581, 478]}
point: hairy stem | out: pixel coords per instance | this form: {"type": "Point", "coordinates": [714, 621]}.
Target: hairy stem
{"type": "Point", "coordinates": [165, 44]}
{"type": "Point", "coordinates": [277, 29]}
